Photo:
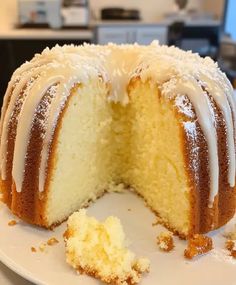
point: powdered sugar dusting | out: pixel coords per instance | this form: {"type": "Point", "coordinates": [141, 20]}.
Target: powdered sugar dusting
{"type": "Point", "coordinates": [184, 106]}
{"type": "Point", "coordinates": [177, 73]}
{"type": "Point", "coordinates": [191, 132]}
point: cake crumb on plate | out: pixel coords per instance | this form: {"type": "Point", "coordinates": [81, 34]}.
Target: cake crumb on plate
{"type": "Point", "coordinates": [42, 247]}
{"type": "Point", "coordinates": [52, 241]}
{"type": "Point", "coordinates": [33, 249]}
{"type": "Point", "coordinates": [98, 249]}
{"type": "Point", "coordinates": [12, 223]}
{"type": "Point", "coordinates": [198, 244]}
{"type": "Point", "coordinates": [231, 246]}
{"type": "Point", "coordinates": [165, 241]}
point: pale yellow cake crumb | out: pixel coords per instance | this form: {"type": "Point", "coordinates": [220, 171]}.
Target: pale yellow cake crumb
{"type": "Point", "coordinates": [50, 242]}
{"type": "Point", "coordinates": [42, 247]}
{"type": "Point", "coordinates": [98, 249]}
{"type": "Point", "coordinates": [165, 241]}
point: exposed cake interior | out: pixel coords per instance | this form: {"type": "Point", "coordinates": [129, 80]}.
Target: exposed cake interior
{"type": "Point", "coordinates": [81, 167]}
{"type": "Point", "coordinates": [100, 144]}
{"type": "Point", "coordinates": [157, 167]}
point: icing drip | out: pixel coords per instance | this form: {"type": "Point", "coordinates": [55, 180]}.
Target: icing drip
{"type": "Point", "coordinates": [177, 74]}
{"type": "Point", "coordinates": [202, 108]}
{"type": "Point", "coordinates": [19, 80]}
{"type": "Point", "coordinates": [189, 86]}
{"type": "Point", "coordinates": [169, 72]}
{"type": "Point", "coordinates": [24, 124]}
{"type": "Point", "coordinates": [7, 112]}
{"type": "Point", "coordinates": [221, 100]}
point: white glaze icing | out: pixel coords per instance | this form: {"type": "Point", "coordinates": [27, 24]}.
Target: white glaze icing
{"type": "Point", "coordinates": [24, 124]}
{"type": "Point", "coordinates": [202, 108]}
{"type": "Point", "coordinates": [7, 110]}
{"type": "Point", "coordinates": [176, 72]}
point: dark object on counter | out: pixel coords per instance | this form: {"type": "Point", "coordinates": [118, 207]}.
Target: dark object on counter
{"type": "Point", "coordinates": [75, 3]}
{"type": "Point", "coordinates": [181, 4]}
{"type": "Point", "coordinates": [203, 39]}
{"type": "Point", "coordinates": [120, 14]}
{"type": "Point", "coordinates": [175, 33]}
{"type": "Point", "coordinates": [13, 53]}
{"type": "Point", "coordinates": [227, 59]}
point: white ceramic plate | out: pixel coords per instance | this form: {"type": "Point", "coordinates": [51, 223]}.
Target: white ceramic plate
{"type": "Point", "coordinates": [49, 267]}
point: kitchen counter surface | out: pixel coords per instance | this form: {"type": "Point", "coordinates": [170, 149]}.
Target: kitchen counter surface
{"type": "Point", "coordinates": [12, 33]}
{"type": "Point", "coordinates": [164, 22]}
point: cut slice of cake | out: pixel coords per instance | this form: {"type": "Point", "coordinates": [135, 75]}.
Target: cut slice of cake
{"type": "Point", "coordinates": [98, 249]}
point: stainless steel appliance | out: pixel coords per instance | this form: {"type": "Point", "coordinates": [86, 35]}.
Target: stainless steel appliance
{"type": "Point", "coordinates": [40, 12]}
{"type": "Point", "coordinates": [75, 13]}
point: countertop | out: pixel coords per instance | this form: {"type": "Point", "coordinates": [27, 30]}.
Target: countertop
{"type": "Point", "coordinates": [164, 22]}
{"type": "Point", "coordinates": [11, 32]}
{"type": "Point", "coordinates": [44, 34]}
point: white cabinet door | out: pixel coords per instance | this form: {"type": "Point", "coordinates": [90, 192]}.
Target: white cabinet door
{"type": "Point", "coordinates": [115, 35]}
{"type": "Point", "coordinates": [125, 34]}
{"type": "Point", "coordinates": [145, 35]}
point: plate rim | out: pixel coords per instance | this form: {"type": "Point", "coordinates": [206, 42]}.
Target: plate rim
{"type": "Point", "coordinates": [27, 274]}
{"type": "Point", "coordinates": [19, 269]}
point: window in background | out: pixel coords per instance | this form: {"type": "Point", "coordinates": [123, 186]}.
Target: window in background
{"type": "Point", "coordinates": [230, 19]}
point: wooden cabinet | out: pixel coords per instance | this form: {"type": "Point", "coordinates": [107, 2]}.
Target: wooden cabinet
{"type": "Point", "coordinates": [142, 34]}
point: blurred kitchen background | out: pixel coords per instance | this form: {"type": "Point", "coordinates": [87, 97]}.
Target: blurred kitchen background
{"type": "Point", "coordinates": [204, 26]}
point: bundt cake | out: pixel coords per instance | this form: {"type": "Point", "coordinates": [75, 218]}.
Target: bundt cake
{"type": "Point", "coordinates": [77, 121]}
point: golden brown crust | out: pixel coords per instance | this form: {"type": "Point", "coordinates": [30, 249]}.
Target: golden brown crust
{"type": "Point", "coordinates": [204, 218]}
{"type": "Point", "coordinates": [27, 204]}
{"type": "Point", "coordinates": [111, 280]}
{"type": "Point", "coordinates": [6, 185]}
